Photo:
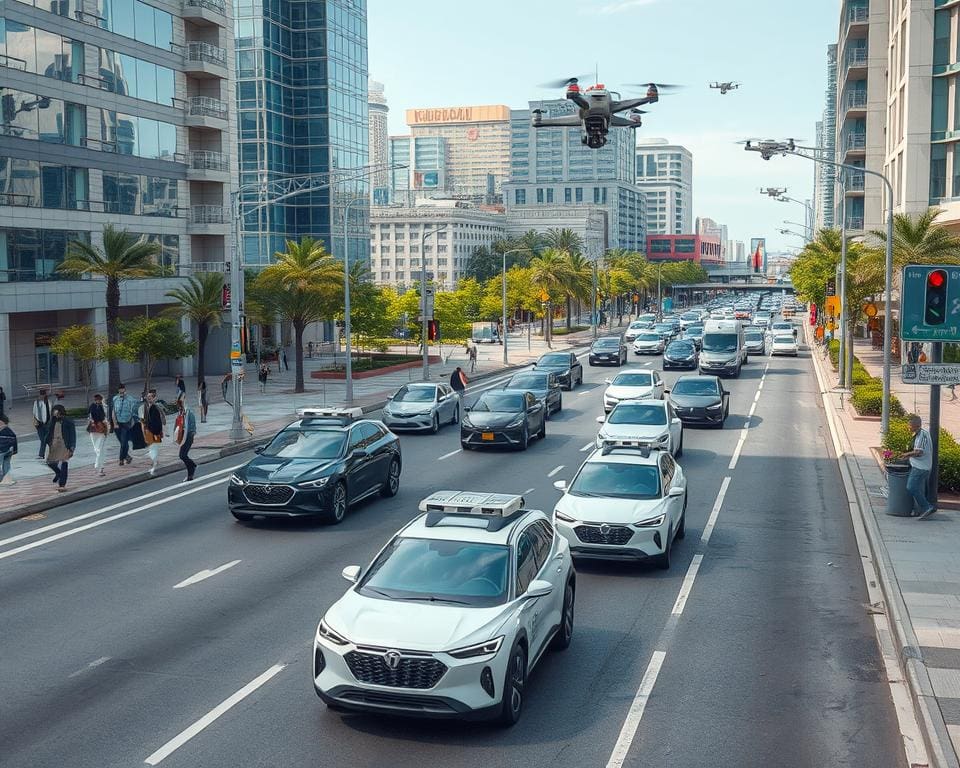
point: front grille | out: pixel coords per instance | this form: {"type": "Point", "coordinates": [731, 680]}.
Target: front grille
{"type": "Point", "coordinates": [615, 534]}
{"type": "Point", "coordinates": [397, 701]}
{"type": "Point", "coordinates": [410, 673]}
{"type": "Point", "coordinates": [268, 494]}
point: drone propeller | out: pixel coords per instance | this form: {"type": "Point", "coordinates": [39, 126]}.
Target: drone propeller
{"type": "Point", "coordinates": [563, 82]}
{"type": "Point", "coordinates": [658, 86]}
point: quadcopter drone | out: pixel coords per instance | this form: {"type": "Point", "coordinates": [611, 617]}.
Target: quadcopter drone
{"type": "Point", "coordinates": [597, 110]}
{"type": "Point", "coordinates": [725, 87]}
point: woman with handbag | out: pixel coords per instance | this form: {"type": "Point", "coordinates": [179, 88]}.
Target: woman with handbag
{"type": "Point", "coordinates": [153, 422]}
{"type": "Point", "coordinates": [97, 428]}
{"type": "Point", "coordinates": [60, 441]}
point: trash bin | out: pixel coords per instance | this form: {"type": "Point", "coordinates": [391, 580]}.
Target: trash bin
{"type": "Point", "coordinates": [899, 500]}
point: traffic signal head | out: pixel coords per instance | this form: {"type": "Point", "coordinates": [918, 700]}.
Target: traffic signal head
{"type": "Point", "coordinates": [935, 304]}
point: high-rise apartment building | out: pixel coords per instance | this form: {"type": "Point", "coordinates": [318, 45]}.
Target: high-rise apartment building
{"type": "Point", "coordinates": [824, 175]}
{"type": "Point", "coordinates": [303, 110]}
{"type": "Point", "coordinates": [665, 174]}
{"type": "Point", "coordinates": [425, 171]}
{"type": "Point", "coordinates": [111, 112]}
{"type": "Point", "coordinates": [551, 167]}
{"type": "Point", "coordinates": [477, 142]}
{"type": "Point", "coordinates": [378, 113]}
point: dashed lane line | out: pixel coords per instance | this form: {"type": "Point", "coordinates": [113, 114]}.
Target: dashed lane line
{"type": "Point", "coordinates": [635, 715]}
{"type": "Point", "coordinates": [554, 471]}
{"type": "Point", "coordinates": [686, 586]}
{"type": "Point", "coordinates": [715, 512]}
{"type": "Point", "coordinates": [452, 453]}
{"type": "Point", "coordinates": [205, 574]}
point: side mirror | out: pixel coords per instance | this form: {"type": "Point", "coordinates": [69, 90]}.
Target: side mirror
{"type": "Point", "coordinates": [666, 391]}
{"type": "Point", "coordinates": [675, 420]}
{"type": "Point", "coordinates": [539, 588]}
{"type": "Point", "coordinates": [675, 491]}
{"type": "Point", "coordinates": [607, 381]}
{"type": "Point", "coordinates": [601, 420]}
{"type": "Point", "coordinates": [467, 408]}
{"type": "Point", "coordinates": [560, 485]}
{"type": "Point", "coordinates": [259, 449]}
{"type": "Point", "coordinates": [351, 573]}
{"type": "Point", "coordinates": [357, 453]}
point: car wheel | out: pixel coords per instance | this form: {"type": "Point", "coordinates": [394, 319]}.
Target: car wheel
{"type": "Point", "coordinates": [679, 452]}
{"type": "Point", "coordinates": [524, 439]}
{"type": "Point", "coordinates": [559, 405]}
{"type": "Point", "coordinates": [561, 640]}
{"type": "Point", "coordinates": [580, 379]}
{"type": "Point", "coordinates": [338, 507]}
{"type": "Point", "coordinates": [682, 528]}
{"type": "Point", "coordinates": [392, 484]}
{"type": "Point", "coordinates": [435, 425]}
{"type": "Point", "coordinates": [543, 430]}
{"type": "Point", "coordinates": [514, 682]}
{"type": "Point", "coordinates": [663, 562]}
{"type": "Point", "coordinates": [456, 416]}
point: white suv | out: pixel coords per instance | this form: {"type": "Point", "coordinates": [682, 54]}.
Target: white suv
{"type": "Point", "coordinates": [451, 615]}
{"type": "Point", "coordinates": [649, 422]}
{"type": "Point", "coordinates": [626, 502]}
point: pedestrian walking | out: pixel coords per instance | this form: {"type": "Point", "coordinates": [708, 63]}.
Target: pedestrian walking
{"type": "Point", "coordinates": [153, 423]}
{"type": "Point", "coordinates": [61, 442]}
{"type": "Point", "coordinates": [224, 386]}
{"type": "Point", "coordinates": [124, 413]}
{"type": "Point", "coordinates": [97, 428]}
{"type": "Point", "coordinates": [8, 447]}
{"type": "Point", "coordinates": [309, 352]}
{"type": "Point", "coordinates": [286, 365]}
{"type": "Point", "coordinates": [3, 402]}
{"type": "Point", "coordinates": [181, 388]}
{"type": "Point", "coordinates": [473, 357]}
{"type": "Point", "coordinates": [262, 377]}
{"type": "Point", "coordinates": [41, 419]}
{"type": "Point", "coordinates": [458, 380]}
{"type": "Point", "coordinates": [202, 400]}
{"type": "Point", "coordinates": [184, 430]}
{"type": "Point", "coordinates": [921, 463]}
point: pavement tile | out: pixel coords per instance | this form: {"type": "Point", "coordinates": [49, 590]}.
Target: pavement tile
{"type": "Point", "coordinates": [946, 682]}
{"type": "Point", "coordinates": [942, 658]}
{"type": "Point", "coordinates": [954, 731]}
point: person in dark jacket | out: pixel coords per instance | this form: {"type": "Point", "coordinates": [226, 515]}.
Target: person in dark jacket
{"type": "Point", "coordinates": [202, 400]}
{"type": "Point", "coordinates": [184, 432]}
{"type": "Point", "coordinates": [3, 401]}
{"type": "Point", "coordinates": [61, 442]}
{"type": "Point", "coordinates": [97, 428]}
{"type": "Point", "coordinates": [153, 423]}
{"type": "Point", "coordinates": [8, 447]}
{"type": "Point", "coordinates": [458, 380]}
{"type": "Point", "coordinates": [181, 387]}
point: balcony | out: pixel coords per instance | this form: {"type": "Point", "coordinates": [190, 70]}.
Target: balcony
{"type": "Point", "coordinates": [205, 13]}
{"type": "Point", "coordinates": [858, 20]}
{"type": "Point", "coordinates": [855, 223]}
{"type": "Point", "coordinates": [198, 267]}
{"type": "Point", "coordinates": [855, 142]}
{"type": "Point", "coordinates": [856, 58]}
{"type": "Point", "coordinates": [854, 183]}
{"type": "Point", "coordinates": [204, 165]}
{"type": "Point", "coordinates": [208, 220]}
{"type": "Point", "coordinates": [855, 101]}
{"type": "Point", "coordinates": [206, 112]}
{"type": "Point", "coordinates": [205, 60]}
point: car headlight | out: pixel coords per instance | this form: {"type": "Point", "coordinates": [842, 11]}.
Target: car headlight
{"type": "Point", "coordinates": [465, 422]}
{"type": "Point", "coordinates": [663, 438]}
{"type": "Point", "coordinates": [561, 516]}
{"type": "Point", "coordinates": [324, 631]}
{"type": "Point", "coordinates": [716, 407]}
{"type": "Point", "coordinates": [480, 649]}
{"type": "Point", "coordinates": [237, 480]}
{"type": "Point", "coordinates": [515, 423]}
{"type": "Point", "coordinates": [318, 483]}
{"type": "Point", "coordinates": [653, 522]}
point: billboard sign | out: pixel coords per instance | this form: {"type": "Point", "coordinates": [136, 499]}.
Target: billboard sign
{"type": "Point", "coordinates": [758, 254]}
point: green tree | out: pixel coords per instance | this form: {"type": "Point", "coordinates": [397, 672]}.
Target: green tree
{"type": "Point", "coordinates": [200, 299]}
{"type": "Point", "coordinates": [579, 285]}
{"type": "Point", "coordinates": [84, 346]}
{"type": "Point", "coordinates": [303, 286]}
{"type": "Point", "coordinates": [123, 257]}
{"type": "Point", "coordinates": [920, 240]}
{"type": "Point", "coordinates": [550, 272]}
{"type": "Point", "coordinates": [564, 240]}
{"type": "Point", "coordinates": [148, 340]}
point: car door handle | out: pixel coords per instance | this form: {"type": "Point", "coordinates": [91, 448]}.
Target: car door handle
{"type": "Point", "coordinates": [558, 556]}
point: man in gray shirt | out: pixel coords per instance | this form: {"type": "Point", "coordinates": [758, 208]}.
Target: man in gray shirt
{"type": "Point", "coordinates": [921, 462]}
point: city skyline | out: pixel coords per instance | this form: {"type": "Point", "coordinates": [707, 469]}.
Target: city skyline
{"type": "Point", "coordinates": [773, 101]}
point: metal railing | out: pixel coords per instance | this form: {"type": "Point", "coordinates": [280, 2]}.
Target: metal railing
{"type": "Point", "coordinates": [206, 106]}
{"type": "Point", "coordinates": [206, 52]}
{"type": "Point", "coordinates": [853, 141]}
{"type": "Point", "coordinates": [12, 62]}
{"type": "Point", "coordinates": [857, 57]}
{"type": "Point", "coordinates": [217, 6]}
{"type": "Point", "coordinates": [854, 182]}
{"type": "Point", "coordinates": [855, 222]}
{"type": "Point", "coordinates": [16, 199]}
{"type": "Point", "coordinates": [185, 269]}
{"type": "Point", "coordinates": [206, 160]}
{"type": "Point", "coordinates": [857, 14]}
{"type": "Point", "coordinates": [856, 100]}
{"type": "Point", "coordinates": [208, 214]}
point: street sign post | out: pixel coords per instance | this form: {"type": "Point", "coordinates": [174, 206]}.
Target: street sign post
{"type": "Point", "coordinates": [941, 374]}
{"type": "Point", "coordinates": [930, 303]}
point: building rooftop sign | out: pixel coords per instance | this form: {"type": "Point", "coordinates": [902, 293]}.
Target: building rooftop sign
{"type": "Point", "coordinates": [476, 114]}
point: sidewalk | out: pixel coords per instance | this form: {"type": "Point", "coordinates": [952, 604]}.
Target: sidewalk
{"type": "Point", "coordinates": [267, 412]}
{"type": "Point", "coordinates": [916, 561]}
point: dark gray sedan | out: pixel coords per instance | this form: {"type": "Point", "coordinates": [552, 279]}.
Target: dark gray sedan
{"type": "Point", "coordinates": [544, 386]}
{"type": "Point", "coordinates": [565, 365]}
{"type": "Point", "coordinates": [700, 400]}
{"type": "Point", "coordinates": [509, 418]}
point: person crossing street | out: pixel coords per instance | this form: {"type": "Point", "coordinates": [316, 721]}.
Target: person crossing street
{"type": "Point", "coordinates": [185, 429]}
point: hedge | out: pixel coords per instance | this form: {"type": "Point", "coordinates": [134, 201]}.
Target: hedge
{"type": "Point", "coordinates": [899, 439]}
{"type": "Point", "coordinates": [868, 399]}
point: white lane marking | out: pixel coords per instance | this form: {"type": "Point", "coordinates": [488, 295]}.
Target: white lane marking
{"type": "Point", "coordinates": [554, 471]}
{"type": "Point", "coordinates": [629, 730]}
{"type": "Point", "coordinates": [587, 447]}
{"type": "Point", "coordinates": [752, 409]}
{"type": "Point", "coordinates": [104, 521]}
{"type": "Point", "coordinates": [206, 574]}
{"type": "Point", "coordinates": [184, 736]}
{"type": "Point", "coordinates": [452, 453]}
{"type": "Point", "coordinates": [736, 453]}
{"type": "Point", "coordinates": [759, 386]}
{"type": "Point", "coordinates": [687, 585]}
{"type": "Point", "coordinates": [756, 398]}
{"type": "Point", "coordinates": [585, 392]}
{"type": "Point", "coordinates": [53, 526]}
{"type": "Point", "coordinates": [92, 665]}
{"type": "Point", "coordinates": [529, 490]}
{"type": "Point", "coordinates": [715, 512]}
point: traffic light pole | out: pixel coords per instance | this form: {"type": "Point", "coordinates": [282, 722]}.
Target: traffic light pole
{"type": "Point", "coordinates": [933, 486]}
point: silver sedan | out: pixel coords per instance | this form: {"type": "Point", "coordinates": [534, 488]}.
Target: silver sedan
{"type": "Point", "coordinates": [422, 406]}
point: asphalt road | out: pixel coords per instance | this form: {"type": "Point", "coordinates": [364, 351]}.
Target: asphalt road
{"type": "Point", "coordinates": [768, 658]}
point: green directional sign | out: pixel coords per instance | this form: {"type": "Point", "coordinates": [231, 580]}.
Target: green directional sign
{"type": "Point", "coordinates": [930, 302]}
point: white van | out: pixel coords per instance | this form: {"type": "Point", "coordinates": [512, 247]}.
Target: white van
{"type": "Point", "coordinates": [723, 351]}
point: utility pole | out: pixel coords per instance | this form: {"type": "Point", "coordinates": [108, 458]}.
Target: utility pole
{"type": "Point", "coordinates": [348, 364]}
{"type": "Point", "coordinates": [594, 322]}
{"type": "Point", "coordinates": [425, 321]}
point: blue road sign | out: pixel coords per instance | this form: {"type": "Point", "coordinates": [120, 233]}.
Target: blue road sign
{"type": "Point", "coordinates": [930, 302]}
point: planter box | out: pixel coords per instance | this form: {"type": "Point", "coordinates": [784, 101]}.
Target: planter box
{"type": "Point", "coordinates": [944, 500]}
{"type": "Point", "coordinates": [341, 375]}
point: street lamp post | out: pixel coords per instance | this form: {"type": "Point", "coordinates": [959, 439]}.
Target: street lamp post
{"type": "Point", "coordinates": [423, 299]}
{"type": "Point", "coordinates": [503, 288]}
{"type": "Point", "coordinates": [768, 149]}
{"type": "Point", "coordinates": [348, 363]}
{"type": "Point", "coordinates": [659, 292]}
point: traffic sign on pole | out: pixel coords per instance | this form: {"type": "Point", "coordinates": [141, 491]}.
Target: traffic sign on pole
{"type": "Point", "coordinates": [930, 303]}
{"type": "Point", "coordinates": [931, 373]}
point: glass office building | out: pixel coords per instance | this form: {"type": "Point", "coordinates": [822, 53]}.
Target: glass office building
{"type": "Point", "coordinates": [302, 104]}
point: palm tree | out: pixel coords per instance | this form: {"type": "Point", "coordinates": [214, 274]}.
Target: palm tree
{"type": "Point", "coordinates": [123, 257]}
{"type": "Point", "coordinates": [550, 271]}
{"type": "Point", "coordinates": [919, 240]}
{"type": "Point", "coordinates": [579, 281]}
{"type": "Point", "coordinates": [565, 240]}
{"type": "Point", "coordinates": [201, 299]}
{"type": "Point", "coordinates": [302, 286]}
{"type": "Point", "coordinates": [531, 242]}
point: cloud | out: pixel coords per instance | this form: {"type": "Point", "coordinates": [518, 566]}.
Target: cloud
{"type": "Point", "coordinates": [618, 6]}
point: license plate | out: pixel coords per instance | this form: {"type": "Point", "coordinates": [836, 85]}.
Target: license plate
{"type": "Point", "coordinates": [486, 435]}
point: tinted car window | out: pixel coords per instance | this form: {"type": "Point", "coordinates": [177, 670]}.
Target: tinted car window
{"type": "Point", "coordinates": [649, 337]}
{"type": "Point", "coordinates": [681, 348]}
{"type": "Point", "coordinates": [626, 481]}
{"type": "Point", "coordinates": [526, 561]}
{"type": "Point", "coordinates": [415, 395]}
{"type": "Point", "coordinates": [499, 403]}
{"type": "Point", "coordinates": [647, 414]}
{"type": "Point", "coordinates": [606, 343]}
{"type": "Point", "coordinates": [696, 387]}
{"type": "Point", "coordinates": [555, 360]}
{"type": "Point", "coordinates": [643, 379]}
{"type": "Point", "coordinates": [306, 444]}
{"type": "Point", "coordinates": [528, 381]}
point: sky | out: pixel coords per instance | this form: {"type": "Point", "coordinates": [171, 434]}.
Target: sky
{"type": "Point", "coordinates": [432, 53]}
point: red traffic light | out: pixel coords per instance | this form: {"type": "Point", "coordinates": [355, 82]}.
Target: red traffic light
{"type": "Point", "coordinates": [936, 278]}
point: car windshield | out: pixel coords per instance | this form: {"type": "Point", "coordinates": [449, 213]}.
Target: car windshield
{"type": "Point", "coordinates": [783, 340]}
{"type": "Point", "coordinates": [681, 348]}
{"type": "Point", "coordinates": [527, 381]}
{"type": "Point", "coordinates": [492, 402]}
{"type": "Point", "coordinates": [557, 360]}
{"type": "Point", "coordinates": [696, 387]}
{"type": "Point", "coordinates": [618, 480]}
{"type": "Point", "coordinates": [690, 316]}
{"type": "Point", "coordinates": [753, 336]}
{"type": "Point", "coordinates": [306, 444]}
{"type": "Point", "coordinates": [639, 325]}
{"type": "Point", "coordinates": [638, 413]}
{"type": "Point", "coordinates": [642, 379]}
{"type": "Point", "coordinates": [442, 571]}
{"type": "Point", "coordinates": [694, 330]}
{"type": "Point", "coordinates": [415, 395]}
{"type": "Point", "coordinates": [663, 327]}
{"type": "Point", "coordinates": [720, 342]}
{"type": "Point", "coordinates": [611, 342]}
{"type": "Point", "coordinates": [648, 337]}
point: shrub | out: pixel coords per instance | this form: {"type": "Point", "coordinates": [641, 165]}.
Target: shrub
{"type": "Point", "coordinates": [860, 374]}
{"type": "Point", "coordinates": [868, 400]}
{"type": "Point", "coordinates": [833, 349]}
{"type": "Point", "coordinates": [899, 439]}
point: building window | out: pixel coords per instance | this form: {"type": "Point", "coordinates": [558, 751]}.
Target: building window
{"type": "Point", "coordinates": [579, 194]}
{"type": "Point", "coordinates": [539, 194]}
{"type": "Point", "coordinates": [567, 195]}
{"type": "Point", "coordinates": [596, 194]}
{"type": "Point", "coordinates": [549, 194]}
{"type": "Point", "coordinates": [938, 171]}
{"type": "Point", "coordinates": [520, 196]}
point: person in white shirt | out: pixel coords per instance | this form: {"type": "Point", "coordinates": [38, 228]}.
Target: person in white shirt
{"type": "Point", "coordinates": [41, 419]}
{"type": "Point", "coordinates": [921, 463]}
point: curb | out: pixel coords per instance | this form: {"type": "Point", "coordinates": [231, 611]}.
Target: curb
{"type": "Point", "coordinates": [926, 708]}
{"type": "Point", "coordinates": [170, 469]}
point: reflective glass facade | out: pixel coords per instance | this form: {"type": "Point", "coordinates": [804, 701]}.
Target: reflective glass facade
{"type": "Point", "coordinates": [302, 109]}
